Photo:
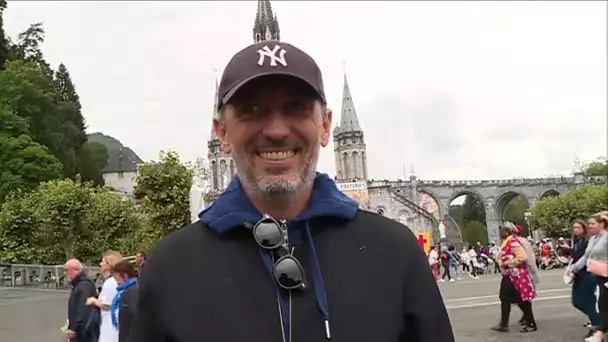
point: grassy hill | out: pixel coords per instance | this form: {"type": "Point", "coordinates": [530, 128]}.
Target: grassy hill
{"type": "Point", "coordinates": [129, 158]}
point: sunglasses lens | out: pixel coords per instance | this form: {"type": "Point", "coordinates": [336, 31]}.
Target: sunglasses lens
{"type": "Point", "coordinates": [288, 273]}
{"type": "Point", "coordinates": [268, 234]}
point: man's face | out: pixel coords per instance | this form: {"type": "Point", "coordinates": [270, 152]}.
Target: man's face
{"type": "Point", "coordinates": [70, 271]}
{"type": "Point", "coordinates": [273, 128]}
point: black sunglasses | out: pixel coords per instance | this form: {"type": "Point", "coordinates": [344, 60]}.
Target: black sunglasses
{"type": "Point", "coordinates": [272, 235]}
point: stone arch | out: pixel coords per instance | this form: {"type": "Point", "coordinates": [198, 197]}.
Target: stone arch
{"type": "Point", "coordinates": [454, 233]}
{"type": "Point", "coordinates": [471, 192]}
{"type": "Point", "coordinates": [503, 200]}
{"type": "Point", "coordinates": [549, 193]}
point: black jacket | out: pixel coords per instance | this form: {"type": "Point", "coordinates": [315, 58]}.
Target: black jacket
{"type": "Point", "coordinates": [79, 313]}
{"type": "Point", "coordinates": [209, 283]}
{"type": "Point", "coordinates": [126, 312]}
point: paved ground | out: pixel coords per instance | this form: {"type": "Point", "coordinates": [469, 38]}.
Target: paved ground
{"type": "Point", "coordinates": [473, 307]}
{"type": "Point", "coordinates": [36, 315]}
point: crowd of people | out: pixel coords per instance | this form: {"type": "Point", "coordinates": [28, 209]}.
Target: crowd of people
{"type": "Point", "coordinates": [518, 259]}
{"type": "Point", "coordinates": [103, 314]}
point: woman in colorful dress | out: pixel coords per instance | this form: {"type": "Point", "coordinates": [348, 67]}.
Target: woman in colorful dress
{"type": "Point", "coordinates": [516, 286]}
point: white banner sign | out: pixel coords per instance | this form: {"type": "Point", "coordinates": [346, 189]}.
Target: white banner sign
{"type": "Point", "coordinates": [352, 186]}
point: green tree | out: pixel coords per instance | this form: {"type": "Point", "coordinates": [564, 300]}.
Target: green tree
{"type": "Point", "coordinates": [165, 187]}
{"type": "Point", "coordinates": [28, 48]}
{"type": "Point", "coordinates": [515, 212]}
{"type": "Point", "coordinates": [18, 226]}
{"type": "Point", "coordinates": [110, 219]}
{"type": "Point", "coordinates": [555, 214]}
{"type": "Point", "coordinates": [473, 209]}
{"type": "Point", "coordinates": [5, 46]}
{"type": "Point", "coordinates": [93, 158]}
{"type": "Point", "coordinates": [62, 207]}
{"type": "Point", "coordinates": [71, 104]}
{"type": "Point", "coordinates": [598, 167]}
{"type": "Point", "coordinates": [23, 162]}
{"type": "Point", "coordinates": [470, 216]}
{"type": "Point", "coordinates": [473, 232]}
{"type": "Point", "coordinates": [26, 90]}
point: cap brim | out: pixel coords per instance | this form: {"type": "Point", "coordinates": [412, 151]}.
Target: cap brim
{"type": "Point", "coordinates": [237, 87]}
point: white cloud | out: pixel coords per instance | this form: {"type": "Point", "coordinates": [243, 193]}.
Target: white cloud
{"type": "Point", "coordinates": [462, 90]}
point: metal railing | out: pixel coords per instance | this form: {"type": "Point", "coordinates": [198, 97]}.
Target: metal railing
{"type": "Point", "coordinates": [42, 276]}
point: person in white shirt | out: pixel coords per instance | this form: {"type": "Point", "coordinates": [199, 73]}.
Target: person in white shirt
{"type": "Point", "coordinates": [434, 262]}
{"type": "Point", "coordinates": [465, 259]}
{"type": "Point", "coordinates": [107, 332]}
{"type": "Point", "coordinates": [472, 260]}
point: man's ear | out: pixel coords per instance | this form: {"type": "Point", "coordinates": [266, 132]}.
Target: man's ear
{"type": "Point", "coordinates": [326, 128]}
{"type": "Point", "coordinates": [220, 130]}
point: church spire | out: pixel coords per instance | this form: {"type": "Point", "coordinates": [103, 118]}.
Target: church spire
{"type": "Point", "coordinates": [215, 108]}
{"type": "Point", "coordinates": [348, 120]}
{"type": "Point", "coordinates": [266, 25]}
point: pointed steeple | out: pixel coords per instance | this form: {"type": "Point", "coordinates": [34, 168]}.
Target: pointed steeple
{"type": "Point", "coordinates": [215, 108]}
{"type": "Point", "coordinates": [266, 25]}
{"type": "Point", "coordinates": [348, 120]}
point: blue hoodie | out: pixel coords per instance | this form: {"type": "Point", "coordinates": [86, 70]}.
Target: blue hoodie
{"type": "Point", "coordinates": [233, 209]}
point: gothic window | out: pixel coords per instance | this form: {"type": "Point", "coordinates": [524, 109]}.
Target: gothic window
{"type": "Point", "coordinates": [356, 165]}
{"type": "Point", "coordinates": [214, 175]}
{"type": "Point", "coordinates": [347, 166]}
{"type": "Point", "coordinates": [223, 176]}
{"type": "Point", "coordinates": [232, 169]}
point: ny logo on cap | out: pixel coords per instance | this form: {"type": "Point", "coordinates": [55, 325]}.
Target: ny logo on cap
{"type": "Point", "coordinates": [272, 55]}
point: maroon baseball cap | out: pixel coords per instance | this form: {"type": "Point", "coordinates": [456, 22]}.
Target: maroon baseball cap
{"type": "Point", "coordinates": [270, 57]}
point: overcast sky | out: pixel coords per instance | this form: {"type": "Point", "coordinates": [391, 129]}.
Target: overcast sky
{"type": "Point", "coordinates": [462, 90]}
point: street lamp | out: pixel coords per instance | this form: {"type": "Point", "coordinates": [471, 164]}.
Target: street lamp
{"type": "Point", "coordinates": [527, 215]}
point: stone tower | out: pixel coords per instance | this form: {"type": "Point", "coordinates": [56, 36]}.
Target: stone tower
{"type": "Point", "coordinates": [349, 144]}
{"type": "Point", "coordinates": [265, 27]}
{"type": "Point", "coordinates": [221, 164]}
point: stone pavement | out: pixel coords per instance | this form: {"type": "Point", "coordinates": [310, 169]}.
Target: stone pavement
{"type": "Point", "coordinates": [473, 306]}
{"type": "Point", "coordinates": [36, 315]}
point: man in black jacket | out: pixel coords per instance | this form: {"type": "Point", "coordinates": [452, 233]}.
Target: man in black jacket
{"type": "Point", "coordinates": [78, 312]}
{"type": "Point", "coordinates": [283, 255]}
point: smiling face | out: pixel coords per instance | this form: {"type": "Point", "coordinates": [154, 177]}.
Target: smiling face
{"type": "Point", "coordinates": [274, 127]}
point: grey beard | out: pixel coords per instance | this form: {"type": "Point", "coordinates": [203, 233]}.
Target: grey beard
{"type": "Point", "coordinates": [277, 191]}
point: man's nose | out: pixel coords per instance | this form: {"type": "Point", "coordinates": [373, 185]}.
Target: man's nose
{"type": "Point", "coordinates": [276, 125]}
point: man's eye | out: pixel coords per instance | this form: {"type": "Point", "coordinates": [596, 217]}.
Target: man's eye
{"type": "Point", "coordinates": [298, 107]}
{"type": "Point", "coordinates": [249, 110]}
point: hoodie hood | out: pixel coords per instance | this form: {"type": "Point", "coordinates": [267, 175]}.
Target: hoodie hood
{"type": "Point", "coordinates": [233, 208]}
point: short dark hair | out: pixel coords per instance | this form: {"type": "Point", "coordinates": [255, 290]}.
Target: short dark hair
{"type": "Point", "coordinates": [124, 267]}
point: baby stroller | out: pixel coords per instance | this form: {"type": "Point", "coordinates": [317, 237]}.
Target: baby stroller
{"type": "Point", "coordinates": [479, 265]}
